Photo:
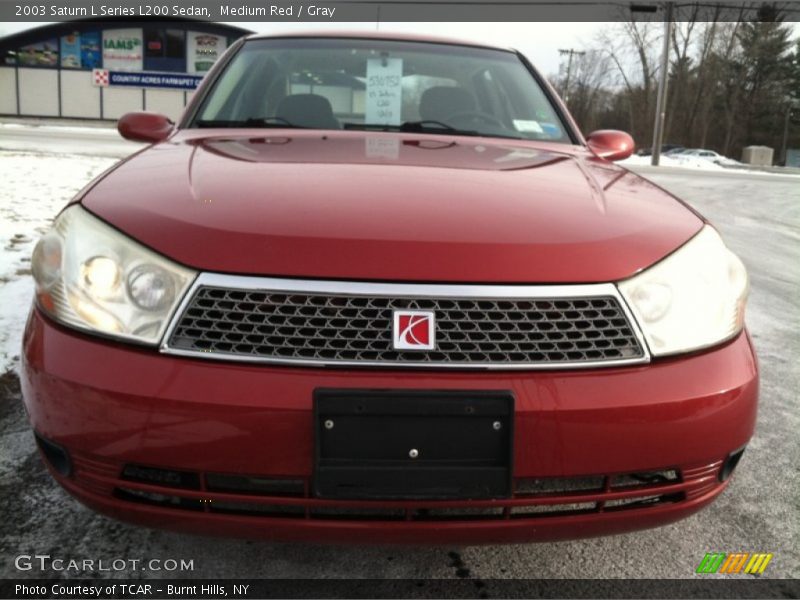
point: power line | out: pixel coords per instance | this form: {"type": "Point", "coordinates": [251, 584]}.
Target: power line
{"type": "Point", "coordinates": [570, 52]}
{"type": "Point", "coordinates": [661, 99]}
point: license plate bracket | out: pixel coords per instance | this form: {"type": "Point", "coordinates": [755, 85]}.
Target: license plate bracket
{"type": "Point", "coordinates": [437, 444]}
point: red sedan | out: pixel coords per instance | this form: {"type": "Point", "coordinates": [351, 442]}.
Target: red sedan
{"type": "Point", "coordinates": [381, 289]}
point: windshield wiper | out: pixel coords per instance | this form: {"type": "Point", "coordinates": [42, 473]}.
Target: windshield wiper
{"type": "Point", "coordinates": [426, 126]}
{"type": "Point", "coordinates": [432, 125]}
{"type": "Point", "coordinates": [261, 122]}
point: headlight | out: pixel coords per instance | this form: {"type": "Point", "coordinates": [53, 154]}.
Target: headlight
{"type": "Point", "coordinates": [692, 299]}
{"type": "Point", "coordinates": [90, 276]}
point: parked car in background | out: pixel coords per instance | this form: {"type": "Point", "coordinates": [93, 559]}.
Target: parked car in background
{"type": "Point", "coordinates": [665, 149]}
{"type": "Point", "coordinates": [377, 288]}
{"type": "Point", "coordinates": [699, 153]}
{"type": "Point", "coordinates": [699, 156]}
{"type": "Point", "coordinates": [673, 151]}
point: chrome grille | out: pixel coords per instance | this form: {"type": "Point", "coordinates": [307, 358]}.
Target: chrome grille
{"type": "Point", "coordinates": [316, 327]}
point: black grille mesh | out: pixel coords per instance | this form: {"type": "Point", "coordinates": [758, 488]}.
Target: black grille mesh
{"type": "Point", "coordinates": [336, 328]}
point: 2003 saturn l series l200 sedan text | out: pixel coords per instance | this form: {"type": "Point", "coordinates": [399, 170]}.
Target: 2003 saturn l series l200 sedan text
{"type": "Point", "coordinates": [381, 289]}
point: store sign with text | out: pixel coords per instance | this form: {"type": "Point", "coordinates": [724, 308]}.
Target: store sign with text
{"type": "Point", "coordinates": [175, 81]}
{"type": "Point", "coordinates": [202, 51]}
{"type": "Point", "coordinates": [123, 49]}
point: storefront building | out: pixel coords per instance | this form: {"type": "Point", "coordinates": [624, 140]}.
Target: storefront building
{"type": "Point", "coordinates": [101, 70]}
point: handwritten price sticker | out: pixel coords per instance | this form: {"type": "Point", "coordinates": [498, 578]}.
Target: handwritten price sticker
{"type": "Point", "coordinates": [384, 91]}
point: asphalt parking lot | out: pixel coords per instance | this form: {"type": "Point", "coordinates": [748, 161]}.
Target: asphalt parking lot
{"type": "Point", "coordinates": [759, 215]}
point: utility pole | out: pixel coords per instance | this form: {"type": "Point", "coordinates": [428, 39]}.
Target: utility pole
{"type": "Point", "coordinates": [785, 144]}
{"type": "Point", "coordinates": [661, 101]}
{"type": "Point", "coordinates": [570, 52]}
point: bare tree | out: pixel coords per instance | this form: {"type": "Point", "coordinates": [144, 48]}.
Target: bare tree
{"type": "Point", "coordinates": [631, 48]}
{"type": "Point", "coordinates": [682, 64]}
{"type": "Point", "coordinates": [730, 81]}
{"type": "Point", "coordinates": [587, 94]}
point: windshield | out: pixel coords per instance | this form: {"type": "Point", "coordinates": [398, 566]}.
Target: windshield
{"type": "Point", "coordinates": [381, 85]}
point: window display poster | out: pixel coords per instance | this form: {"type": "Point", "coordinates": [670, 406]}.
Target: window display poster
{"type": "Point", "coordinates": [122, 49]}
{"type": "Point", "coordinates": [71, 51]}
{"type": "Point", "coordinates": [202, 51]}
{"type": "Point", "coordinates": [41, 54]}
{"type": "Point", "coordinates": [90, 50]}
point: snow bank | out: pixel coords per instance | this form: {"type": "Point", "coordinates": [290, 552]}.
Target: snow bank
{"type": "Point", "coordinates": [101, 130]}
{"type": "Point", "coordinates": [724, 165]}
{"type": "Point", "coordinates": [687, 162]}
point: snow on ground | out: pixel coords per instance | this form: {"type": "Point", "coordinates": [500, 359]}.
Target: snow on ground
{"type": "Point", "coordinates": [689, 162]}
{"type": "Point", "coordinates": [49, 138]}
{"type": "Point", "coordinates": [35, 188]}
{"type": "Point", "coordinates": [722, 165]}
{"type": "Point", "coordinates": [95, 129]}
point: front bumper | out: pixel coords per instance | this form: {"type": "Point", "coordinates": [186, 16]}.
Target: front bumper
{"type": "Point", "coordinates": [111, 405]}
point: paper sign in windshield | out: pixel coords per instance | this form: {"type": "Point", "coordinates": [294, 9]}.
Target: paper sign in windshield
{"type": "Point", "coordinates": [384, 91]}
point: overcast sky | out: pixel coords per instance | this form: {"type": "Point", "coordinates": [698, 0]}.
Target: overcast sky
{"type": "Point", "coordinates": [540, 42]}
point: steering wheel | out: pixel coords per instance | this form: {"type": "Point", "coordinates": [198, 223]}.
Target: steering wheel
{"type": "Point", "coordinates": [475, 115]}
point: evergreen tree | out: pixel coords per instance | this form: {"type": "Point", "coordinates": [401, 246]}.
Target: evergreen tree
{"type": "Point", "coordinates": [765, 78]}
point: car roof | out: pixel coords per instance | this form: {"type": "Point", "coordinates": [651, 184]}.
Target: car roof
{"type": "Point", "coordinates": [379, 35]}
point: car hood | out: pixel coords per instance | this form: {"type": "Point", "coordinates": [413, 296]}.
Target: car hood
{"type": "Point", "coordinates": [376, 206]}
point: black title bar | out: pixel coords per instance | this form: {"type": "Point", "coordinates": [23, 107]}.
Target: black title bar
{"type": "Point", "coordinates": [231, 589]}
{"type": "Point", "coordinates": [390, 10]}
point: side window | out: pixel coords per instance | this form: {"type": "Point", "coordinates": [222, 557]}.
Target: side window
{"type": "Point", "coordinates": [233, 87]}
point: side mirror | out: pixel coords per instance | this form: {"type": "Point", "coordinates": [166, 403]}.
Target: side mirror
{"type": "Point", "coordinates": [611, 144]}
{"type": "Point", "coordinates": [144, 127]}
